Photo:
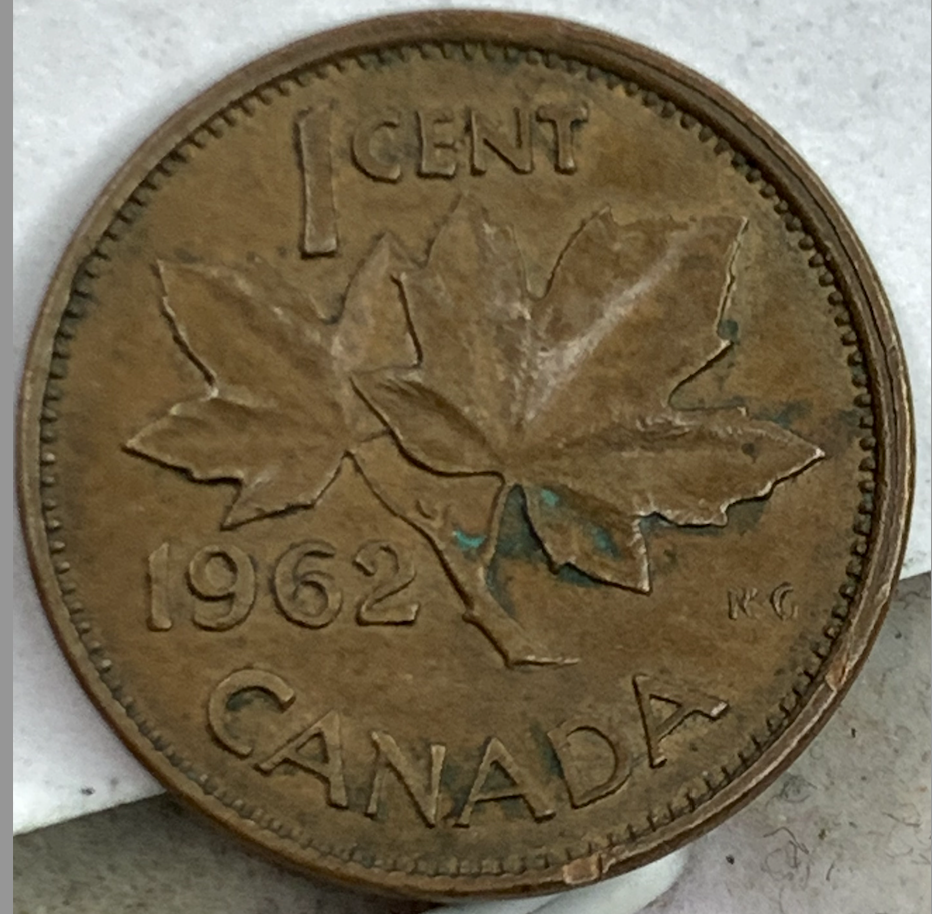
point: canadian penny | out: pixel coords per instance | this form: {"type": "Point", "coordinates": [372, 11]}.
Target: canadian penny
{"type": "Point", "coordinates": [465, 454]}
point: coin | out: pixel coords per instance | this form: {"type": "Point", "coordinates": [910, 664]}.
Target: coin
{"type": "Point", "coordinates": [465, 454]}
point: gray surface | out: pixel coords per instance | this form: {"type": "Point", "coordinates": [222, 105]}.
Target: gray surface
{"type": "Point", "coordinates": [845, 831]}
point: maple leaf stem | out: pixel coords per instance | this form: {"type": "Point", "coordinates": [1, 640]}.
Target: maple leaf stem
{"type": "Point", "coordinates": [497, 511]}
{"type": "Point", "coordinates": [468, 575]}
{"type": "Point", "coordinates": [517, 646]}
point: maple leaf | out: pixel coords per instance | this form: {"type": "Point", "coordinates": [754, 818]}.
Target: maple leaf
{"type": "Point", "coordinates": [279, 412]}
{"type": "Point", "coordinates": [568, 395]}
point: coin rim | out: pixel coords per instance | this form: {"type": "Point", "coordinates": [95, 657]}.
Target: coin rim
{"type": "Point", "coordinates": [799, 186]}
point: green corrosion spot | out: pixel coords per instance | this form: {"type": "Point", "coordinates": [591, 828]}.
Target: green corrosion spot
{"type": "Point", "coordinates": [728, 329]}
{"type": "Point", "coordinates": [465, 541]}
{"type": "Point", "coordinates": [549, 498]}
{"type": "Point", "coordinates": [570, 574]}
{"type": "Point", "coordinates": [604, 542]}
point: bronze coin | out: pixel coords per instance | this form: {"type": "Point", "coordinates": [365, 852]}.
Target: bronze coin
{"type": "Point", "coordinates": [465, 454]}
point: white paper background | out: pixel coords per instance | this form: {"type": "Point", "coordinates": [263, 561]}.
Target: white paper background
{"type": "Point", "coordinates": [846, 83]}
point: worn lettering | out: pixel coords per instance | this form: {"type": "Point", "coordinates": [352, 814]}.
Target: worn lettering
{"type": "Point", "coordinates": [522, 784]}
{"type": "Point", "coordinates": [391, 574]}
{"type": "Point", "coordinates": [222, 574]}
{"type": "Point", "coordinates": [325, 732]}
{"type": "Point", "coordinates": [687, 700]}
{"type": "Point", "coordinates": [218, 712]}
{"type": "Point", "coordinates": [438, 143]}
{"type": "Point", "coordinates": [485, 136]}
{"type": "Point", "coordinates": [580, 746]}
{"type": "Point", "coordinates": [424, 790]}
{"type": "Point", "coordinates": [445, 139]}
{"type": "Point", "coordinates": [563, 118]}
{"type": "Point", "coordinates": [160, 619]}
{"type": "Point", "coordinates": [320, 221]}
{"type": "Point", "coordinates": [376, 166]}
